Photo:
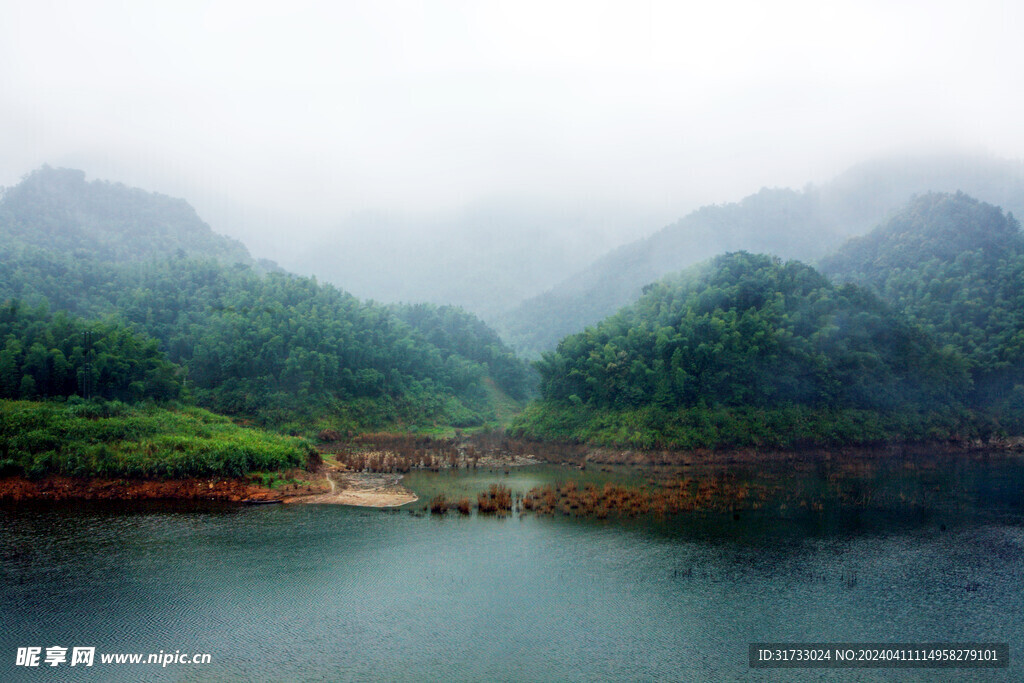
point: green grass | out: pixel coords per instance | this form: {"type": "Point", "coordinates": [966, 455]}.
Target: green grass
{"type": "Point", "coordinates": [720, 427]}
{"type": "Point", "coordinates": [274, 480]}
{"type": "Point", "coordinates": [436, 416]}
{"type": "Point", "coordinates": [506, 408]}
{"type": "Point", "coordinates": [422, 414]}
{"type": "Point", "coordinates": [111, 439]}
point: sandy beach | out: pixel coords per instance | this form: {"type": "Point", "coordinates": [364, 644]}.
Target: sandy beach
{"type": "Point", "coordinates": [365, 489]}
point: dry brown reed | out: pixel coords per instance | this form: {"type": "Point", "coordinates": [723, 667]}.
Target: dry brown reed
{"type": "Point", "coordinates": [439, 505]}
{"type": "Point", "coordinates": [400, 453]}
{"type": "Point", "coordinates": [497, 499]}
{"type": "Point", "coordinates": [683, 495]}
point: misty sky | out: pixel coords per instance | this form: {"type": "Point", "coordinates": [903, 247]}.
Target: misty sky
{"type": "Point", "coordinates": [291, 116]}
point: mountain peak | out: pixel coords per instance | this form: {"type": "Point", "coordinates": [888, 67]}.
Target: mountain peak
{"type": "Point", "coordinates": [59, 208]}
{"type": "Point", "coordinates": [935, 225]}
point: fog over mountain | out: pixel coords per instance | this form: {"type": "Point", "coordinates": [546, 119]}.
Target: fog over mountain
{"type": "Point", "coordinates": [601, 337]}
{"type": "Point", "coordinates": [479, 129]}
{"type": "Point", "coordinates": [486, 258]}
{"type": "Point", "coordinates": [801, 224]}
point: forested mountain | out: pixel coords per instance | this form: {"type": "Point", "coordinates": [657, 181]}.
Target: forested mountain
{"type": "Point", "coordinates": [271, 346]}
{"type": "Point", "coordinates": [747, 349]}
{"type": "Point", "coordinates": [453, 331]}
{"type": "Point", "coordinates": [752, 330]}
{"type": "Point", "coordinates": [955, 266]}
{"type": "Point", "coordinates": [46, 355]}
{"type": "Point", "coordinates": [804, 224]}
{"type": "Point", "coordinates": [57, 210]}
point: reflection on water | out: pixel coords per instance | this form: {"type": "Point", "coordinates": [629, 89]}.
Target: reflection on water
{"type": "Point", "coordinates": [923, 550]}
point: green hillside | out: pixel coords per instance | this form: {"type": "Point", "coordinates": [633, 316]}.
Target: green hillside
{"type": "Point", "coordinates": [45, 355]}
{"type": "Point", "coordinates": [283, 350]}
{"type": "Point", "coordinates": [749, 350]}
{"type": "Point", "coordinates": [955, 266]}
{"type": "Point", "coordinates": [455, 332]}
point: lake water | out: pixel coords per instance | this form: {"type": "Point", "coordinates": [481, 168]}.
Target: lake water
{"type": "Point", "coordinates": [929, 551]}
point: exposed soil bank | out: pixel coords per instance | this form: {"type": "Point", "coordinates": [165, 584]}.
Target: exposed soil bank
{"type": "Point", "coordinates": [362, 489]}
{"type": "Point", "coordinates": [16, 489]}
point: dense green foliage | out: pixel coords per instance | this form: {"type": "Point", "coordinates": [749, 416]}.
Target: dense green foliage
{"type": "Point", "coordinates": [43, 356]}
{"type": "Point", "coordinates": [954, 266]}
{"type": "Point", "coordinates": [794, 224]}
{"type": "Point", "coordinates": [750, 330]}
{"type": "Point", "coordinates": [111, 439]}
{"type": "Point", "coordinates": [282, 349]}
{"type": "Point", "coordinates": [272, 346]}
{"type": "Point", "coordinates": [453, 331]}
{"type": "Point", "coordinates": [749, 350]}
{"type": "Point", "coordinates": [652, 427]}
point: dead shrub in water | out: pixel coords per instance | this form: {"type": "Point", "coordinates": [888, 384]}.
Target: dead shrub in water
{"type": "Point", "coordinates": [497, 498]}
{"type": "Point", "coordinates": [672, 497]}
{"type": "Point", "coordinates": [464, 506]}
{"type": "Point", "coordinates": [389, 452]}
{"type": "Point", "coordinates": [439, 505]}
{"type": "Point", "coordinates": [541, 499]}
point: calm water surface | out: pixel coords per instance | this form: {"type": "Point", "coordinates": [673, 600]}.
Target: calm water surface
{"type": "Point", "coordinates": [931, 551]}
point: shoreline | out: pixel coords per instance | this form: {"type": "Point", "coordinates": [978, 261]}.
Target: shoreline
{"type": "Point", "coordinates": [357, 489]}
{"type": "Point", "coordinates": [605, 455]}
{"type": "Point", "coordinates": [61, 488]}
{"type": "Point", "coordinates": [384, 489]}
{"type": "Point", "coordinates": [362, 490]}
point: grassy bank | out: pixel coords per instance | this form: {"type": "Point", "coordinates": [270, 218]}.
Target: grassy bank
{"type": "Point", "coordinates": [111, 439]}
{"type": "Point", "coordinates": [691, 428]}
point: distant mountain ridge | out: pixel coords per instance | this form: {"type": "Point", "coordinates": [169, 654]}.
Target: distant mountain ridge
{"type": "Point", "coordinates": [56, 208]}
{"type": "Point", "coordinates": [486, 256]}
{"type": "Point", "coordinates": [804, 224]}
